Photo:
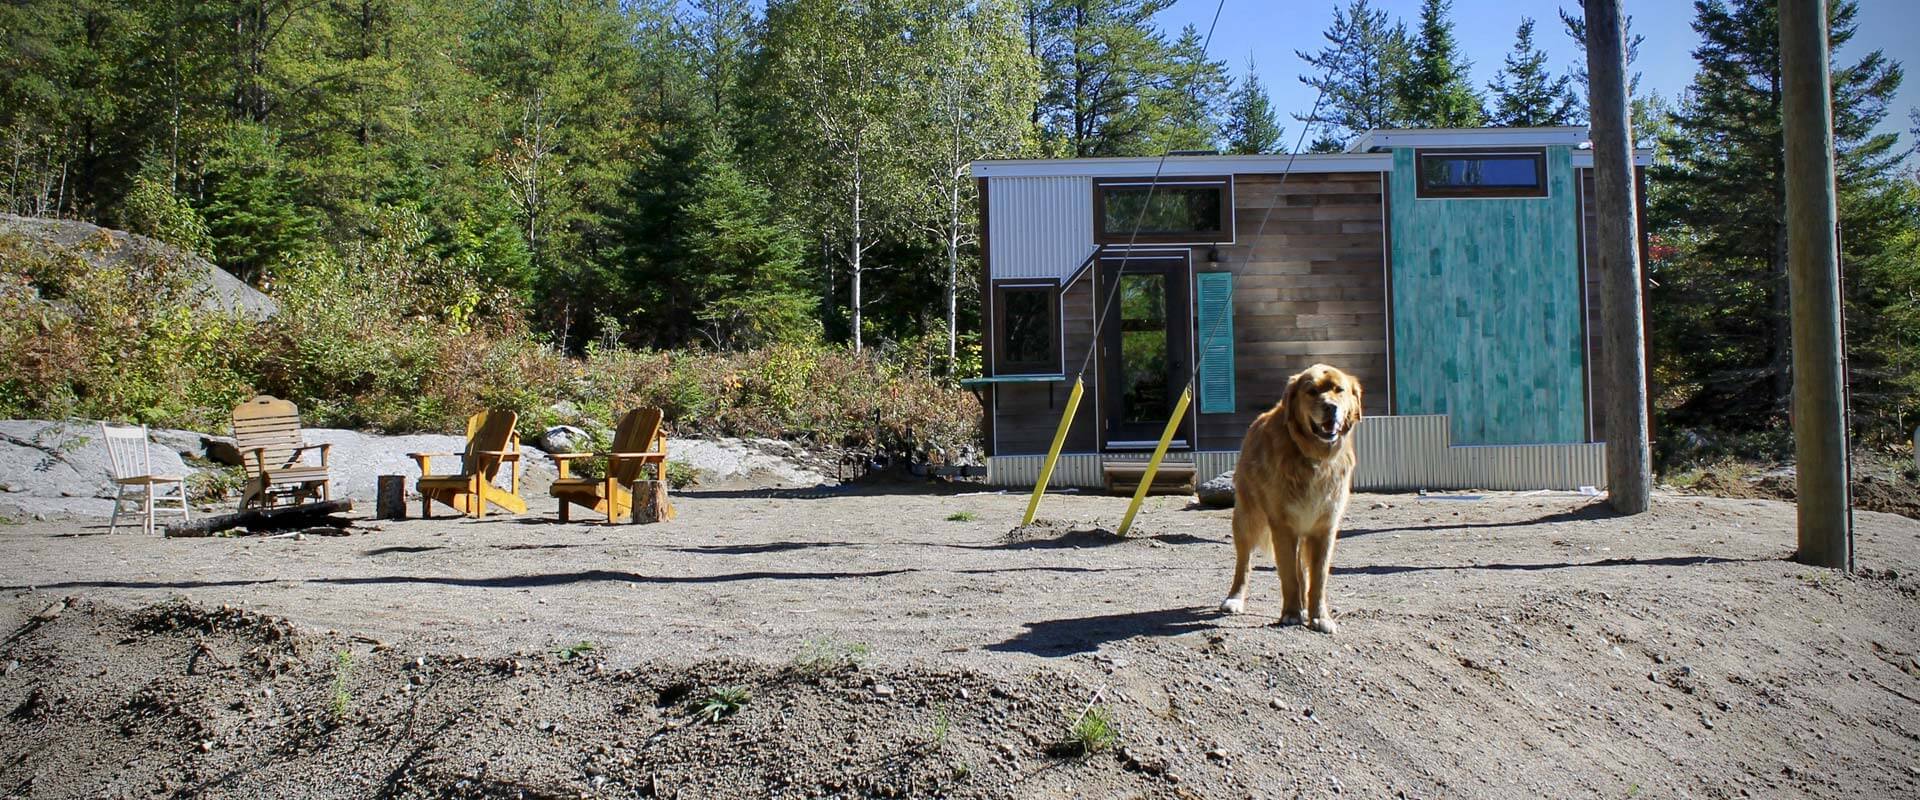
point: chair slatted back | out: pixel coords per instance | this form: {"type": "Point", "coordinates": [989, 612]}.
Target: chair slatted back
{"type": "Point", "coordinates": [489, 431]}
{"type": "Point", "coordinates": [634, 434]}
{"type": "Point", "coordinates": [273, 426]}
{"type": "Point", "coordinates": [127, 451]}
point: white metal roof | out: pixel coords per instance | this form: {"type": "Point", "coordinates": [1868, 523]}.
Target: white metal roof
{"type": "Point", "coordinates": [1368, 154]}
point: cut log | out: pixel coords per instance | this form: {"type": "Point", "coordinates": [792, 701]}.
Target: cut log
{"type": "Point", "coordinates": [390, 501]}
{"type": "Point", "coordinates": [300, 516]}
{"type": "Point", "coordinates": [650, 502]}
{"type": "Point", "coordinates": [1173, 477]}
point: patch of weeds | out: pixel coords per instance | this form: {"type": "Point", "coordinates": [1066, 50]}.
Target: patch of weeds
{"type": "Point", "coordinates": [826, 654]}
{"type": "Point", "coordinates": [573, 651]}
{"type": "Point", "coordinates": [1091, 733]}
{"type": "Point", "coordinates": [723, 702]}
{"type": "Point", "coordinates": [341, 700]}
{"type": "Point", "coordinates": [681, 476]}
{"type": "Point", "coordinates": [962, 516]}
{"type": "Point", "coordinates": [215, 483]}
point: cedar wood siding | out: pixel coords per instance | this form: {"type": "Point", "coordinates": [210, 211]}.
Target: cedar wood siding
{"type": "Point", "coordinates": [1309, 287]}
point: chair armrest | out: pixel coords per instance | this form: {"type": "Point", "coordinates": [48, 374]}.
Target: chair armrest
{"type": "Point", "coordinates": [500, 453]}
{"type": "Point", "coordinates": [323, 448]}
{"type": "Point", "coordinates": [429, 455]}
{"type": "Point", "coordinates": [425, 460]}
{"type": "Point", "coordinates": [648, 454]}
{"type": "Point", "coordinates": [570, 456]}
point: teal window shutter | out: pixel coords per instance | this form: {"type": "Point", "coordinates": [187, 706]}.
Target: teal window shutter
{"type": "Point", "coordinates": [1213, 308]}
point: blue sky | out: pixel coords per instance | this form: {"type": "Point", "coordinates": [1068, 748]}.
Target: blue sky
{"type": "Point", "coordinates": [1271, 30]}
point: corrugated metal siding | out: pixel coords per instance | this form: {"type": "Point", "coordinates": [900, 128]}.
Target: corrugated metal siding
{"type": "Point", "coordinates": [1041, 227]}
{"type": "Point", "coordinates": [1394, 453]}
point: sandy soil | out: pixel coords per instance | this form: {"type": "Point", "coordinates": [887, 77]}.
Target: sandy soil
{"type": "Point", "coordinates": [1505, 646]}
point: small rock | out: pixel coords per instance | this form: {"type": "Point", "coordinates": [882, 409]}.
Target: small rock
{"type": "Point", "coordinates": [883, 690]}
{"type": "Point", "coordinates": [1216, 492]}
{"type": "Point", "coordinates": [1706, 720]}
{"type": "Point", "coordinates": [1217, 754]}
{"type": "Point", "coordinates": [1278, 704]}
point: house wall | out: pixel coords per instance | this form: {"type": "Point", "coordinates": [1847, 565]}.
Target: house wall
{"type": "Point", "coordinates": [1309, 286]}
{"type": "Point", "coordinates": [1042, 227]}
{"type": "Point", "coordinates": [1487, 310]}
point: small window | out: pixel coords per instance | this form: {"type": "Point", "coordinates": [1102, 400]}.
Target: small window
{"type": "Point", "coordinates": [1027, 319]}
{"type": "Point", "coordinates": [1184, 211]}
{"type": "Point", "coordinates": [1483, 174]}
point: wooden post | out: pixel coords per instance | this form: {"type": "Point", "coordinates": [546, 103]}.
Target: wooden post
{"type": "Point", "coordinates": [390, 498]}
{"type": "Point", "coordinates": [1616, 245]}
{"type": "Point", "coordinates": [1813, 280]}
{"type": "Point", "coordinates": [650, 502]}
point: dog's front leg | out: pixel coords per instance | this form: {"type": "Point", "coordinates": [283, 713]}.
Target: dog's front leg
{"type": "Point", "coordinates": [1317, 557]}
{"type": "Point", "coordinates": [1286, 556]}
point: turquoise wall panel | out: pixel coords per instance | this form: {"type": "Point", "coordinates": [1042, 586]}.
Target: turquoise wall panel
{"type": "Point", "coordinates": [1486, 310]}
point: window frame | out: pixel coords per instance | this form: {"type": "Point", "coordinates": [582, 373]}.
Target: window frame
{"type": "Point", "coordinates": [1537, 155]}
{"type": "Point", "coordinates": [1057, 364]}
{"type": "Point", "coordinates": [1224, 236]}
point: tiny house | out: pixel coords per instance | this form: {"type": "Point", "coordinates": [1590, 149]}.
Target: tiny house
{"type": "Point", "coordinates": [1447, 269]}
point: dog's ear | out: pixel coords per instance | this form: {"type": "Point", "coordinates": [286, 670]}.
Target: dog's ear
{"type": "Point", "coordinates": [1293, 385]}
{"type": "Point", "coordinates": [1354, 418]}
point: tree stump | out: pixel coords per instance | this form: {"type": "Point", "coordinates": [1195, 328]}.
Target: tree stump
{"type": "Point", "coordinates": [650, 502]}
{"type": "Point", "coordinates": [391, 498]}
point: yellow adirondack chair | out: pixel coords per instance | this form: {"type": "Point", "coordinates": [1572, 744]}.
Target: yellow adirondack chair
{"type": "Point", "coordinates": [266, 430]}
{"type": "Point", "coordinates": [491, 444]}
{"type": "Point", "coordinates": [639, 453]}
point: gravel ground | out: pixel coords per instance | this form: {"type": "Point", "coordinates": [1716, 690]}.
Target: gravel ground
{"type": "Point", "coordinates": [907, 643]}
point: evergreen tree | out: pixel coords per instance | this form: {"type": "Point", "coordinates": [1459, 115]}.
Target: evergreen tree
{"type": "Point", "coordinates": [1099, 58]}
{"type": "Point", "coordinates": [252, 218]}
{"type": "Point", "coordinates": [1436, 90]}
{"type": "Point", "coordinates": [749, 287]}
{"type": "Point", "coordinates": [1524, 94]}
{"type": "Point", "coordinates": [1355, 76]}
{"type": "Point", "coordinates": [1180, 109]}
{"type": "Point", "coordinates": [1576, 28]}
{"type": "Point", "coordinates": [1720, 301]}
{"type": "Point", "coordinates": [1251, 127]}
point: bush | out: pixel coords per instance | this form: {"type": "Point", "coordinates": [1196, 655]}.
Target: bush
{"type": "Point", "coordinates": [384, 335]}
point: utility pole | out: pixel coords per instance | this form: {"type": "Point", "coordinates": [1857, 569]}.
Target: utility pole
{"type": "Point", "coordinates": [1813, 275]}
{"type": "Point", "coordinates": [1617, 247]}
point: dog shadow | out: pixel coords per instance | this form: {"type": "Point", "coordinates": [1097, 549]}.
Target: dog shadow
{"type": "Point", "coordinates": [1064, 637]}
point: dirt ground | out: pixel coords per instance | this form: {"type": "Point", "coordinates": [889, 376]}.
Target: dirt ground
{"type": "Point", "coordinates": [904, 643]}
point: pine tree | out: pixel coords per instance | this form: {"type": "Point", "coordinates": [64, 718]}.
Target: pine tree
{"type": "Point", "coordinates": [252, 218]}
{"type": "Point", "coordinates": [1099, 59]}
{"type": "Point", "coordinates": [1355, 76]}
{"type": "Point", "coordinates": [1436, 91]}
{"type": "Point", "coordinates": [1720, 301]}
{"type": "Point", "coordinates": [1576, 27]}
{"type": "Point", "coordinates": [750, 287]}
{"type": "Point", "coordinates": [1251, 127]}
{"type": "Point", "coordinates": [1524, 94]}
{"type": "Point", "coordinates": [1180, 110]}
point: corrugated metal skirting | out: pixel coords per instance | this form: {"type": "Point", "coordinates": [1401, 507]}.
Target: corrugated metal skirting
{"type": "Point", "coordinates": [1394, 453]}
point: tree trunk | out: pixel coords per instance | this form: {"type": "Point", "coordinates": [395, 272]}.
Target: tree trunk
{"type": "Point", "coordinates": [856, 248]}
{"type": "Point", "coordinates": [1616, 235]}
{"type": "Point", "coordinates": [1819, 382]}
{"type": "Point", "coordinates": [953, 274]}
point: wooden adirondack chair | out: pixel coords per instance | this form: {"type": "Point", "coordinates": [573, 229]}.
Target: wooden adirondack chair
{"type": "Point", "coordinates": [132, 468]}
{"type": "Point", "coordinates": [491, 444]}
{"type": "Point", "coordinates": [267, 431]}
{"type": "Point", "coordinates": [638, 459]}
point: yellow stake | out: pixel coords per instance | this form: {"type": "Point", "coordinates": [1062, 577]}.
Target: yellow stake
{"type": "Point", "coordinates": [1053, 453]}
{"type": "Point", "coordinates": [1153, 465]}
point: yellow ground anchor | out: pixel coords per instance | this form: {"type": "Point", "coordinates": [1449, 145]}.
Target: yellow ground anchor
{"type": "Point", "coordinates": [1053, 453]}
{"type": "Point", "coordinates": [1153, 465]}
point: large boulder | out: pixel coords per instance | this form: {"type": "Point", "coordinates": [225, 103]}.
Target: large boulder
{"type": "Point", "coordinates": [1216, 492]}
{"type": "Point", "coordinates": [218, 289]}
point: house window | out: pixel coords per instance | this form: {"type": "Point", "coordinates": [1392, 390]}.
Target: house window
{"type": "Point", "coordinates": [1183, 211]}
{"type": "Point", "coordinates": [1027, 329]}
{"type": "Point", "coordinates": [1522, 174]}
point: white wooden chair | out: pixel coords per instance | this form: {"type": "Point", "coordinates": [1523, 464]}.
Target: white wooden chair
{"type": "Point", "coordinates": [132, 467]}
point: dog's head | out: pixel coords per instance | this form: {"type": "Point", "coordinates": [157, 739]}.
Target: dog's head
{"type": "Point", "coordinates": [1323, 405]}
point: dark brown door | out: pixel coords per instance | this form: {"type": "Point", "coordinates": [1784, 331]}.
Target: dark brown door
{"type": "Point", "coordinates": [1145, 350]}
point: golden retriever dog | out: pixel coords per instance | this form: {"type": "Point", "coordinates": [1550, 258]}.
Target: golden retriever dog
{"type": "Point", "coordinates": [1290, 491]}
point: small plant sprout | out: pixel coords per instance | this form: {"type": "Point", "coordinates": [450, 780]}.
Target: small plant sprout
{"type": "Point", "coordinates": [573, 651]}
{"type": "Point", "coordinates": [962, 516]}
{"type": "Point", "coordinates": [723, 702]}
{"type": "Point", "coordinates": [942, 729]}
{"type": "Point", "coordinates": [1092, 732]}
{"type": "Point", "coordinates": [341, 699]}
